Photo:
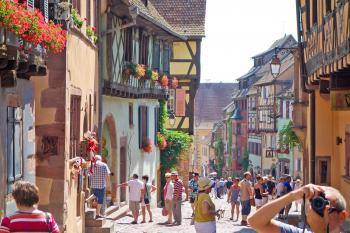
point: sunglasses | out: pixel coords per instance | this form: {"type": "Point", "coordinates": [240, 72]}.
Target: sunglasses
{"type": "Point", "coordinates": [334, 209]}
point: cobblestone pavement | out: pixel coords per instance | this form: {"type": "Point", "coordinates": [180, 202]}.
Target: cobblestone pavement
{"type": "Point", "coordinates": [223, 225]}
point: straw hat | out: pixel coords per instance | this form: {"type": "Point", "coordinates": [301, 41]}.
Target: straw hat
{"type": "Point", "coordinates": [174, 173]}
{"type": "Point", "coordinates": [204, 183]}
{"type": "Point", "coordinates": [167, 175]}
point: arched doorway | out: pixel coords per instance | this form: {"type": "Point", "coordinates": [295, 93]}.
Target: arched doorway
{"type": "Point", "coordinates": [109, 151]}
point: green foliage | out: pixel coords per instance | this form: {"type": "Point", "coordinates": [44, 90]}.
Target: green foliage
{"type": "Point", "coordinates": [177, 143]}
{"type": "Point", "coordinates": [245, 159]}
{"type": "Point", "coordinates": [76, 18]}
{"type": "Point", "coordinates": [287, 137]}
{"type": "Point", "coordinates": [219, 153]}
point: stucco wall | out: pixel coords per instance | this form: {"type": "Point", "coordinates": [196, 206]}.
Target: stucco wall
{"type": "Point", "coordinates": [24, 93]}
{"type": "Point", "coordinates": [138, 162]}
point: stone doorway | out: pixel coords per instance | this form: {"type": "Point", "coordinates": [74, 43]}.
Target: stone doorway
{"type": "Point", "coordinates": [109, 154]}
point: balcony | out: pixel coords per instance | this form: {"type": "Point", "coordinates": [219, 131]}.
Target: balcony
{"type": "Point", "coordinates": [135, 89]}
{"type": "Point", "coordinates": [19, 59]}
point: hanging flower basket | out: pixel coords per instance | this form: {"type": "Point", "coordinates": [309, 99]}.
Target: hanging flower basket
{"type": "Point", "coordinates": [147, 145]}
{"type": "Point", "coordinates": [164, 81]}
{"type": "Point", "coordinates": [174, 83]}
{"type": "Point", "coordinates": [162, 142]}
{"type": "Point", "coordinates": [31, 26]}
{"type": "Point", "coordinates": [137, 70]}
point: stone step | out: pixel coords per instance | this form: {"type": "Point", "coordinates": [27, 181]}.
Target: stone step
{"type": "Point", "coordinates": [121, 212]}
{"type": "Point", "coordinates": [111, 209]}
{"type": "Point", "coordinates": [108, 227]}
{"type": "Point", "coordinates": [95, 222]}
{"type": "Point", "coordinates": [90, 213]}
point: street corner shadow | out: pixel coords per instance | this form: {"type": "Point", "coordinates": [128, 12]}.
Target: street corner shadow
{"type": "Point", "coordinates": [245, 231]}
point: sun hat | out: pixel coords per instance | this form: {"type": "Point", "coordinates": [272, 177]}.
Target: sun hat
{"type": "Point", "coordinates": [174, 173]}
{"type": "Point", "coordinates": [167, 175]}
{"type": "Point", "coordinates": [204, 183]}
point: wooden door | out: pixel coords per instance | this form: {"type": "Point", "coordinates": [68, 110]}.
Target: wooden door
{"type": "Point", "coordinates": [122, 169]}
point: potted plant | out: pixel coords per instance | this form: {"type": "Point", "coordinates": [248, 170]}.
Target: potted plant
{"type": "Point", "coordinates": [162, 143]}
{"type": "Point", "coordinates": [91, 33]}
{"type": "Point", "coordinates": [76, 18]}
{"type": "Point", "coordinates": [164, 81]}
{"type": "Point", "coordinates": [147, 145]}
{"type": "Point", "coordinates": [174, 83]}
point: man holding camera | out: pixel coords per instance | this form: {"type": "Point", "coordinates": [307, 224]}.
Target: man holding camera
{"type": "Point", "coordinates": [325, 211]}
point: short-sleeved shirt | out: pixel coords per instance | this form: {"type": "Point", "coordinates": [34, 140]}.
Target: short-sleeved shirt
{"type": "Point", "coordinates": [270, 186]}
{"type": "Point", "coordinates": [288, 186]}
{"type": "Point", "coordinates": [35, 221]}
{"type": "Point", "coordinates": [148, 190]}
{"type": "Point", "coordinates": [169, 191]}
{"type": "Point", "coordinates": [229, 184]}
{"type": "Point", "coordinates": [135, 188]}
{"type": "Point", "coordinates": [246, 187]}
{"type": "Point", "coordinates": [178, 186]}
{"type": "Point", "coordinates": [98, 177]}
{"type": "Point", "coordinates": [194, 186]}
{"type": "Point", "coordinates": [286, 228]}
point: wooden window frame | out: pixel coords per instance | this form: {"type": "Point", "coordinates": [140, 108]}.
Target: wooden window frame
{"type": "Point", "coordinates": [75, 115]}
{"type": "Point", "coordinates": [12, 122]}
{"type": "Point", "coordinates": [143, 125]}
{"type": "Point", "coordinates": [156, 55]}
{"type": "Point", "coordinates": [320, 159]}
{"type": "Point", "coordinates": [128, 44]}
{"type": "Point", "coordinates": [131, 115]}
{"type": "Point", "coordinates": [166, 58]}
{"type": "Point", "coordinates": [143, 47]}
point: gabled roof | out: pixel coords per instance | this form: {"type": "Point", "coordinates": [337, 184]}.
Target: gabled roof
{"type": "Point", "coordinates": [151, 14]}
{"type": "Point", "coordinates": [186, 16]}
{"type": "Point", "coordinates": [278, 43]}
{"type": "Point", "coordinates": [211, 99]}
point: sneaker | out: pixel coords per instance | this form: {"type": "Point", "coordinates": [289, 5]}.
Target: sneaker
{"type": "Point", "coordinates": [133, 222]}
{"type": "Point", "coordinates": [244, 223]}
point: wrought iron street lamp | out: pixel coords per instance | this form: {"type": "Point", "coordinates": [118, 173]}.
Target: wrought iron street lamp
{"type": "Point", "coordinates": [275, 66]}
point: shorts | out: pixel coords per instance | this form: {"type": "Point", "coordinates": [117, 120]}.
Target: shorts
{"type": "Point", "coordinates": [146, 200]}
{"type": "Point", "coordinates": [258, 202]}
{"type": "Point", "coordinates": [192, 199]}
{"type": "Point", "coordinates": [134, 206]}
{"type": "Point", "coordinates": [270, 197]}
{"type": "Point", "coordinates": [235, 202]}
{"type": "Point", "coordinates": [264, 200]}
{"type": "Point", "coordinates": [246, 207]}
{"type": "Point", "coordinates": [100, 195]}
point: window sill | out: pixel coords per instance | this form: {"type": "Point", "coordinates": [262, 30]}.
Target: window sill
{"type": "Point", "coordinates": [346, 179]}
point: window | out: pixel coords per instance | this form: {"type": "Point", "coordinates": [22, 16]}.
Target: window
{"type": "Point", "coordinates": [314, 12]}
{"type": "Point", "coordinates": [156, 123]}
{"type": "Point", "coordinates": [128, 48]}
{"type": "Point", "coordinates": [75, 102]}
{"type": "Point", "coordinates": [328, 5]}
{"type": "Point", "coordinates": [171, 101]}
{"type": "Point", "coordinates": [323, 176]}
{"type": "Point", "coordinates": [166, 58]}
{"type": "Point", "coordinates": [156, 55]}
{"type": "Point", "coordinates": [76, 5]}
{"type": "Point", "coordinates": [131, 115]}
{"type": "Point", "coordinates": [143, 125]}
{"type": "Point", "coordinates": [347, 154]}
{"type": "Point", "coordinates": [287, 109]}
{"type": "Point", "coordinates": [143, 43]}
{"type": "Point", "coordinates": [88, 12]}
{"type": "Point", "coordinates": [299, 165]}
{"type": "Point", "coordinates": [14, 146]}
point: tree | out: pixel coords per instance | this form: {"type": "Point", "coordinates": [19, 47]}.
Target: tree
{"type": "Point", "coordinates": [287, 137]}
{"type": "Point", "coordinates": [219, 153]}
{"type": "Point", "coordinates": [245, 159]}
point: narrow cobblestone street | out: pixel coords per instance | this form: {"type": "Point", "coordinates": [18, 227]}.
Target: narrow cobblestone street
{"type": "Point", "coordinates": [223, 225]}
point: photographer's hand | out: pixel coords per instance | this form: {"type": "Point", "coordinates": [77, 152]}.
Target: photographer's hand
{"type": "Point", "coordinates": [309, 190]}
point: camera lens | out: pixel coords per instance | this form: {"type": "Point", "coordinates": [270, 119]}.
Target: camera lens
{"type": "Point", "coordinates": [318, 204]}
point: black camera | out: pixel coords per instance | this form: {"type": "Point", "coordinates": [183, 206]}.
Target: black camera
{"type": "Point", "coordinates": [319, 203]}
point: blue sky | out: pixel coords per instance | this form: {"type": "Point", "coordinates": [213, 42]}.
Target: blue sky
{"type": "Point", "coordinates": [237, 30]}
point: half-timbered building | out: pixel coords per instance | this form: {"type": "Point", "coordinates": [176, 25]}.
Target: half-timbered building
{"type": "Point", "coordinates": [136, 49]}
{"type": "Point", "coordinates": [20, 64]}
{"type": "Point", "coordinates": [324, 102]}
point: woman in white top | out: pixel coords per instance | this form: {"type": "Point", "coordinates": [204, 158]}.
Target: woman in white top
{"type": "Point", "coordinates": [297, 185]}
{"type": "Point", "coordinates": [168, 197]}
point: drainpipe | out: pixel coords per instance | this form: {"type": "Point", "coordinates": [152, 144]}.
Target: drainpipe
{"type": "Point", "coordinates": [100, 76]}
{"type": "Point", "coordinates": [312, 104]}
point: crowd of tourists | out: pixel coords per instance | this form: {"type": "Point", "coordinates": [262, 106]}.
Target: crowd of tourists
{"type": "Point", "coordinates": [272, 199]}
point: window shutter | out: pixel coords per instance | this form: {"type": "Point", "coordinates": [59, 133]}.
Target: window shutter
{"type": "Point", "coordinates": [30, 5]}
{"type": "Point", "coordinates": [156, 55]}
{"type": "Point", "coordinates": [140, 126]}
{"type": "Point", "coordinates": [44, 7]}
{"type": "Point", "coordinates": [147, 120]}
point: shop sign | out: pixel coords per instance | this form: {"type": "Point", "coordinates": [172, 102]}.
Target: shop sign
{"type": "Point", "coordinates": [340, 100]}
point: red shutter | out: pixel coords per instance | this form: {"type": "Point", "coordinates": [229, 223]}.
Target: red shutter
{"type": "Point", "coordinates": [180, 102]}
